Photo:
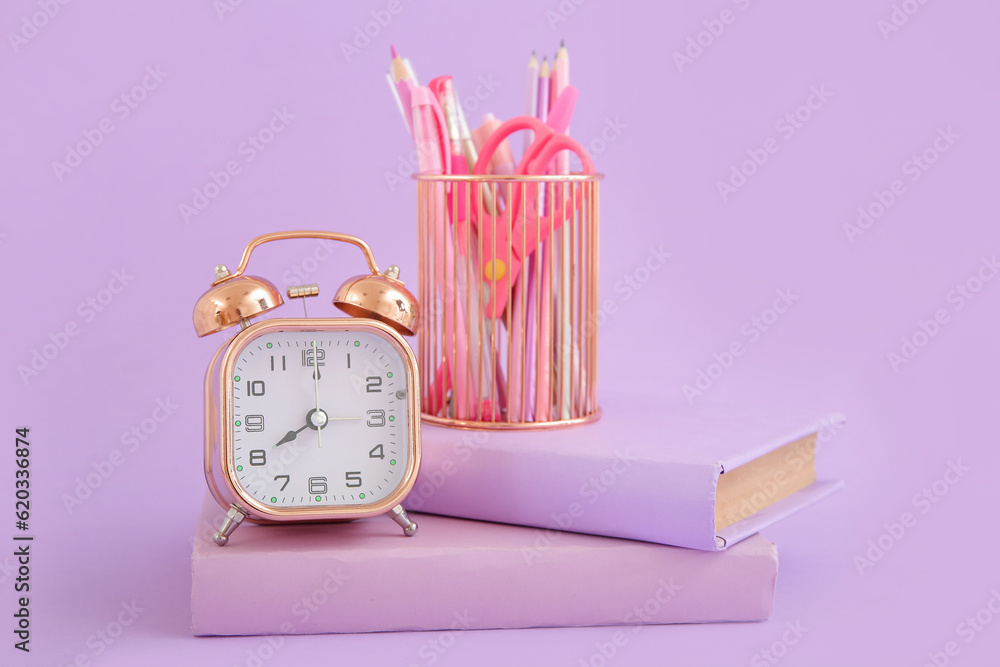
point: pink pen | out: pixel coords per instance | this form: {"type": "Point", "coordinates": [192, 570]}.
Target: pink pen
{"type": "Point", "coordinates": [531, 99]}
{"type": "Point", "coordinates": [433, 158]}
{"type": "Point", "coordinates": [445, 94]}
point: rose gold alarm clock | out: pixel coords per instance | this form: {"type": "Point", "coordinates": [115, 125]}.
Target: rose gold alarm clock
{"type": "Point", "coordinates": [310, 419]}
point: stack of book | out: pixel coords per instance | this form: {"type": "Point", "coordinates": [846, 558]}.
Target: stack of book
{"type": "Point", "coordinates": [650, 515]}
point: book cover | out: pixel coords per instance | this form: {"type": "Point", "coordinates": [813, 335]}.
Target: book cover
{"type": "Point", "coordinates": [703, 477]}
{"type": "Point", "coordinates": [457, 574]}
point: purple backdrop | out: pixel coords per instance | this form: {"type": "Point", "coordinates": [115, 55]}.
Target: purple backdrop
{"type": "Point", "coordinates": [741, 138]}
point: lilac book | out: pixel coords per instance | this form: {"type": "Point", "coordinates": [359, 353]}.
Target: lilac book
{"type": "Point", "coordinates": [703, 477]}
{"type": "Point", "coordinates": [456, 574]}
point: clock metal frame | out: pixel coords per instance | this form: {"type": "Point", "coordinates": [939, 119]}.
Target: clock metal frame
{"type": "Point", "coordinates": [220, 472]}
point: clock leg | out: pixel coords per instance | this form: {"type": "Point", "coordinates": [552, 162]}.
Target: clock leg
{"type": "Point", "coordinates": [398, 514]}
{"type": "Point", "coordinates": [233, 520]}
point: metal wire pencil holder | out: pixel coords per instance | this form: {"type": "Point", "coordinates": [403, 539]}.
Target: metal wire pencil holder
{"type": "Point", "coordinates": [508, 287]}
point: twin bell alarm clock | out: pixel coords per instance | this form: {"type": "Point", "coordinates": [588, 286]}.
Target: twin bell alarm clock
{"type": "Point", "coordinates": [310, 419]}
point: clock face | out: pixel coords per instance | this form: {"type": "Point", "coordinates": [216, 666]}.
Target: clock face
{"type": "Point", "coordinates": [319, 418]}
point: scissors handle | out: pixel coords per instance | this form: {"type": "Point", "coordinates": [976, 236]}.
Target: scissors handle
{"type": "Point", "coordinates": [506, 129]}
{"type": "Point", "coordinates": [553, 145]}
{"type": "Point", "coordinates": [501, 267]}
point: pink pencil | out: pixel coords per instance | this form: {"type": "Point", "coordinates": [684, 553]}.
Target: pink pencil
{"type": "Point", "coordinates": [560, 79]}
{"type": "Point", "coordinates": [404, 87]}
{"type": "Point", "coordinates": [543, 296]}
{"type": "Point", "coordinates": [567, 360]}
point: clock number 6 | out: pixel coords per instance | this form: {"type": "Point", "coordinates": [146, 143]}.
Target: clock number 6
{"type": "Point", "coordinates": [317, 485]}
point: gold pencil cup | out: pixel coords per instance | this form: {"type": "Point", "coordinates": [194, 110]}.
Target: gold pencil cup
{"type": "Point", "coordinates": [508, 284]}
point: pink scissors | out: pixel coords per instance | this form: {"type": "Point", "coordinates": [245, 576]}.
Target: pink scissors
{"type": "Point", "coordinates": [497, 268]}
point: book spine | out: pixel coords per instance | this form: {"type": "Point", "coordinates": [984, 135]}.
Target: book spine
{"type": "Point", "coordinates": [617, 494]}
{"type": "Point", "coordinates": [562, 582]}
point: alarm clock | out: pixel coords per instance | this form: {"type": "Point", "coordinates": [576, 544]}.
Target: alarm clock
{"type": "Point", "coordinates": [310, 419]}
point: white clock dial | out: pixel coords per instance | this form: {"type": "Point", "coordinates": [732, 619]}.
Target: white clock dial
{"type": "Point", "coordinates": [319, 418]}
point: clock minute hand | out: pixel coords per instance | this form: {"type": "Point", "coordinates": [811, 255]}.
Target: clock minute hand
{"type": "Point", "coordinates": [319, 435]}
{"type": "Point", "coordinates": [291, 435]}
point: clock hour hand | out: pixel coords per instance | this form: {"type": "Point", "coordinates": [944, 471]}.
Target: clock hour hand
{"type": "Point", "coordinates": [291, 435]}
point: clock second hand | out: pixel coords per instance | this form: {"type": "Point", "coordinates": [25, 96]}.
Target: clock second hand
{"type": "Point", "coordinates": [319, 436]}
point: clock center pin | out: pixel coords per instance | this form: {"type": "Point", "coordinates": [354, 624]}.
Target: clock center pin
{"type": "Point", "coordinates": [318, 418]}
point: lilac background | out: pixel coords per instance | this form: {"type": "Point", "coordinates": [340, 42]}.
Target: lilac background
{"type": "Point", "coordinates": [682, 130]}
